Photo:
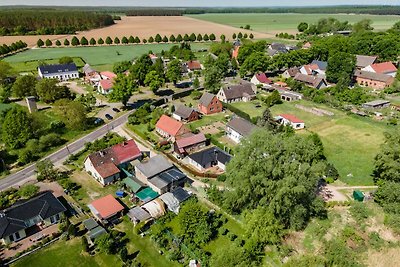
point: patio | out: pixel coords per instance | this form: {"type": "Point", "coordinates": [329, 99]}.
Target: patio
{"type": "Point", "coordinates": [33, 236]}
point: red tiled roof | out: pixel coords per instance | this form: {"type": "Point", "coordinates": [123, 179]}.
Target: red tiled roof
{"type": "Point", "coordinates": [127, 151]}
{"type": "Point", "coordinates": [191, 140]}
{"type": "Point", "coordinates": [110, 75]}
{"type": "Point", "coordinates": [310, 67]}
{"type": "Point", "coordinates": [281, 84]}
{"type": "Point", "coordinates": [107, 206]}
{"type": "Point", "coordinates": [262, 78]}
{"type": "Point", "coordinates": [106, 84]}
{"type": "Point", "coordinates": [194, 65]}
{"type": "Point", "coordinates": [235, 52]}
{"type": "Point", "coordinates": [291, 118]}
{"type": "Point", "coordinates": [169, 125]}
{"type": "Point", "coordinates": [384, 67]}
{"type": "Point", "coordinates": [107, 169]}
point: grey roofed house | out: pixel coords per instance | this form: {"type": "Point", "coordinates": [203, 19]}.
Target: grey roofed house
{"type": "Point", "coordinates": [57, 68]}
{"type": "Point", "coordinates": [154, 166]}
{"type": "Point", "coordinates": [90, 224]}
{"type": "Point", "coordinates": [242, 126]}
{"type": "Point", "coordinates": [377, 104]}
{"type": "Point", "coordinates": [206, 99]}
{"type": "Point", "coordinates": [183, 111]}
{"type": "Point", "coordinates": [180, 194]}
{"type": "Point", "coordinates": [364, 61]}
{"type": "Point", "coordinates": [167, 178]}
{"type": "Point", "coordinates": [373, 76]}
{"type": "Point", "coordinates": [210, 155]}
{"type": "Point", "coordinates": [322, 65]}
{"type": "Point", "coordinates": [276, 48]}
{"type": "Point", "coordinates": [19, 216]}
{"type": "Point", "coordinates": [313, 81]}
{"type": "Point", "coordinates": [138, 214]}
{"type": "Point", "coordinates": [238, 91]}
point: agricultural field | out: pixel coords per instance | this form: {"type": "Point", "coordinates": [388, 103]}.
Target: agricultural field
{"type": "Point", "coordinates": [95, 56]}
{"type": "Point", "coordinates": [143, 27]}
{"type": "Point", "coordinates": [275, 23]}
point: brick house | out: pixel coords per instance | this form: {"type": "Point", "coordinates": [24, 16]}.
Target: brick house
{"type": "Point", "coordinates": [374, 80]}
{"type": "Point", "coordinates": [209, 104]}
{"type": "Point", "coordinates": [170, 128]}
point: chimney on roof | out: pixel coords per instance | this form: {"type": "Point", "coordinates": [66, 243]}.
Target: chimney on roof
{"type": "Point", "coordinates": [101, 153]}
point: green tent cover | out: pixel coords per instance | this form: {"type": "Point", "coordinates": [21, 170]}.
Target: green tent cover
{"type": "Point", "coordinates": [134, 186]}
{"type": "Point", "coordinates": [147, 194]}
{"type": "Point", "coordinates": [358, 195]}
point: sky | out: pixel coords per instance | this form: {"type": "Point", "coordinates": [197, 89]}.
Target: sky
{"type": "Point", "coordinates": [204, 3]}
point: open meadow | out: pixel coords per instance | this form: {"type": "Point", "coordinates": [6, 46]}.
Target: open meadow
{"type": "Point", "coordinates": [143, 27]}
{"type": "Point", "coordinates": [287, 22]}
{"type": "Point", "coordinates": [102, 56]}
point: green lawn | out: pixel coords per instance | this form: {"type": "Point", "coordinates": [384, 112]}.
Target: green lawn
{"type": "Point", "coordinates": [67, 253]}
{"type": "Point", "coordinates": [4, 106]}
{"type": "Point", "coordinates": [208, 120]}
{"type": "Point", "coordinates": [31, 66]}
{"type": "Point", "coordinates": [268, 22]}
{"type": "Point", "coordinates": [250, 107]}
{"type": "Point", "coordinates": [351, 142]}
{"type": "Point", "coordinates": [101, 55]}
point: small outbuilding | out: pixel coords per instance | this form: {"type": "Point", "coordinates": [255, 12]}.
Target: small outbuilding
{"type": "Point", "coordinates": [138, 215]}
{"type": "Point", "coordinates": [358, 195]}
{"type": "Point", "coordinates": [377, 104]}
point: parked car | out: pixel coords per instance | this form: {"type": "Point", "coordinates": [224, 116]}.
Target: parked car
{"type": "Point", "coordinates": [115, 110]}
{"type": "Point", "coordinates": [98, 121]}
{"type": "Point", "coordinates": [109, 117]}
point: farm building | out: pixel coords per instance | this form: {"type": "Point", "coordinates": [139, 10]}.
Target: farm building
{"type": "Point", "coordinates": [105, 165]}
{"type": "Point", "coordinates": [209, 158]}
{"type": "Point", "coordinates": [374, 80]}
{"type": "Point", "coordinates": [106, 208]}
{"type": "Point", "coordinates": [38, 212]}
{"type": "Point", "coordinates": [187, 145]}
{"type": "Point", "coordinates": [91, 76]}
{"type": "Point", "coordinates": [291, 120]}
{"type": "Point", "coordinates": [312, 81]}
{"type": "Point", "coordinates": [237, 128]}
{"type": "Point", "coordinates": [191, 66]}
{"type": "Point", "coordinates": [377, 104]}
{"type": "Point", "coordinates": [287, 95]}
{"type": "Point", "coordinates": [237, 93]}
{"type": "Point", "coordinates": [184, 113]}
{"type": "Point", "coordinates": [364, 61]}
{"type": "Point", "coordinates": [276, 48]}
{"type": "Point", "coordinates": [209, 104]}
{"type": "Point", "coordinates": [386, 68]}
{"type": "Point", "coordinates": [61, 72]}
{"type": "Point", "coordinates": [170, 128]}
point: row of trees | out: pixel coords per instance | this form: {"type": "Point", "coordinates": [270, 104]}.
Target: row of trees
{"type": "Point", "coordinates": [136, 40]}
{"type": "Point", "coordinates": [31, 22]}
{"type": "Point", "coordinates": [5, 49]}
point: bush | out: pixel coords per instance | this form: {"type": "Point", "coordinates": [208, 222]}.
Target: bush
{"type": "Point", "coordinates": [223, 231]}
{"type": "Point", "coordinates": [232, 236]}
{"type": "Point", "coordinates": [221, 178]}
{"type": "Point", "coordinates": [359, 211]}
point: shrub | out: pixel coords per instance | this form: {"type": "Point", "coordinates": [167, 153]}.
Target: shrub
{"type": "Point", "coordinates": [232, 236]}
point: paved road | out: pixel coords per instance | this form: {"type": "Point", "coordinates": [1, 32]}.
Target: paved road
{"type": "Point", "coordinates": [28, 173]}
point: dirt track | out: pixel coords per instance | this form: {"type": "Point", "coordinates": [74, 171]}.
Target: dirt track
{"type": "Point", "coordinates": [144, 27]}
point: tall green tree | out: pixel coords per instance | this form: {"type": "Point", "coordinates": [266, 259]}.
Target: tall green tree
{"type": "Point", "coordinates": [109, 40]}
{"type": "Point", "coordinates": [125, 40]}
{"type": "Point", "coordinates": [386, 162]}
{"type": "Point", "coordinates": [131, 39]}
{"type": "Point", "coordinates": [100, 41]}
{"type": "Point", "coordinates": [212, 79]}
{"type": "Point", "coordinates": [75, 41]}
{"type": "Point", "coordinates": [158, 38]}
{"type": "Point", "coordinates": [40, 43]}
{"type": "Point", "coordinates": [302, 27]}
{"type": "Point", "coordinates": [24, 86]}
{"type": "Point", "coordinates": [73, 113]}
{"type": "Point", "coordinates": [66, 60]}
{"type": "Point", "coordinates": [116, 40]}
{"type": "Point", "coordinates": [48, 91]}
{"type": "Point", "coordinates": [141, 67]}
{"type": "Point", "coordinates": [124, 87]}
{"type": "Point", "coordinates": [58, 43]}
{"type": "Point", "coordinates": [256, 62]}
{"type": "Point", "coordinates": [340, 66]}
{"type": "Point", "coordinates": [172, 38]}
{"type": "Point", "coordinates": [174, 71]}
{"type": "Point", "coordinates": [154, 80]}
{"type": "Point", "coordinates": [179, 38]}
{"type": "Point", "coordinates": [84, 41]}
{"type": "Point", "coordinates": [66, 42]}
{"type": "Point", "coordinates": [92, 41]}
{"type": "Point", "coordinates": [16, 128]}
{"type": "Point", "coordinates": [6, 71]}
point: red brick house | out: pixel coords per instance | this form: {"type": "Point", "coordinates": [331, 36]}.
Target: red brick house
{"type": "Point", "coordinates": [209, 104]}
{"type": "Point", "coordinates": [374, 80]}
{"type": "Point", "coordinates": [170, 129]}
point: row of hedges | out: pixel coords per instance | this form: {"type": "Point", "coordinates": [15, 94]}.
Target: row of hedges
{"type": "Point", "coordinates": [237, 111]}
{"type": "Point", "coordinates": [14, 47]}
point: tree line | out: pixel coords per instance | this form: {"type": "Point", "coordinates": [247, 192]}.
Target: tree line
{"type": "Point", "coordinates": [32, 22]}
{"type": "Point", "coordinates": [75, 41]}
{"type": "Point", "coordinates": [6, 49]}
{"type": "Point", "coordinates": [155, 12]}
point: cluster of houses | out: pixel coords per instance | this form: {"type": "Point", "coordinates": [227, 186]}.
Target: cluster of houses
{"type": "Point", "coordinates": [378, 76]}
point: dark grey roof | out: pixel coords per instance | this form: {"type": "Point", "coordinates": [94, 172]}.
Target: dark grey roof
{"type": "Point", "coordinates": [241, 126]}
{"type": "Point", "coordinates": [378, 102]}
{"type": "Point", "coordinates": [167, 177]}
{"type": "Point", "coordinates": [210, 155]}
{"type": "Point", "coordinates": [180, 194]}
{"type": "Point", "coordinates": [322, 65]}
{"type": "Point", "coordinates": [138, 213]}
{"type": "Point", "coordinates": [13, 219]}
{"type": "Point", "coordinates": [96, 232]}
{"type": "Point", "coordinates": [238, 91]}
{"type": "Point", "coordinates": [90, 224]}
{"type": "Point", "coordinates": [154, 166]}
{"type": "Point", "coordinates": [278, 46]}
{"type": "Point", "coordinates": [58, 68]}
{"type": "Point", "coordinates": [183, 111]}
{"type": "Point", "coordinates": [206, 99]}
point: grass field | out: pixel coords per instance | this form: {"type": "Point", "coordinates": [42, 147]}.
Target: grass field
{"type": "Point", "coordinates": [4, 106]}
{"type": "Point", "coordinates": [350, 142]}
{"type": "Point", "coordinates": [95, 56]}
{"type": "Point", "coordinates": [273, 23]}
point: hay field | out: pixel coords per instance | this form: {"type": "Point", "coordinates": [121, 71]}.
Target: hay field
{"type": "Point", "coordinates": [144, 27]}
{"type": "Point", "coordinates": [287, 22]}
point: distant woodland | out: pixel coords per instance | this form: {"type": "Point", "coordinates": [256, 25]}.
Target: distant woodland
{"type": "Point", "coordinates": [32, 22]}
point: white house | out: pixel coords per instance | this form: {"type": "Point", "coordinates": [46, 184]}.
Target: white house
{"type": "Point", "coordinates": [62, 72]}
{"type": "Point", "coordinates": [293, 121]}
{"type": "Point", "coordinates": [260, 79]}
{"type": "Point", "coordinates": [237, 128]}
{"type": "Point", "coordinates": [237, 93]}
{"type": "Point", "coordinates": [105, 87]}
{"type": "Point", "coordinates": [209, 158]}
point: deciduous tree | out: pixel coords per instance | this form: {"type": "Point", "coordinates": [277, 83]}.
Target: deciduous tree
{"type": "Point", "coordinates": [16, 128]}
{"type": "Point", "coordinates": [24, 86]}
{"type": "Point", "coordinates": [154, 81]}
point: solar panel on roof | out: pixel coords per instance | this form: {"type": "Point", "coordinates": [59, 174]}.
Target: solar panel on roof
{"type": "Point", "coordinates": [180, 194]}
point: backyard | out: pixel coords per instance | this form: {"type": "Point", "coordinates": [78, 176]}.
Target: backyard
{"type": "Point", "coordinates": [275, 23]}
